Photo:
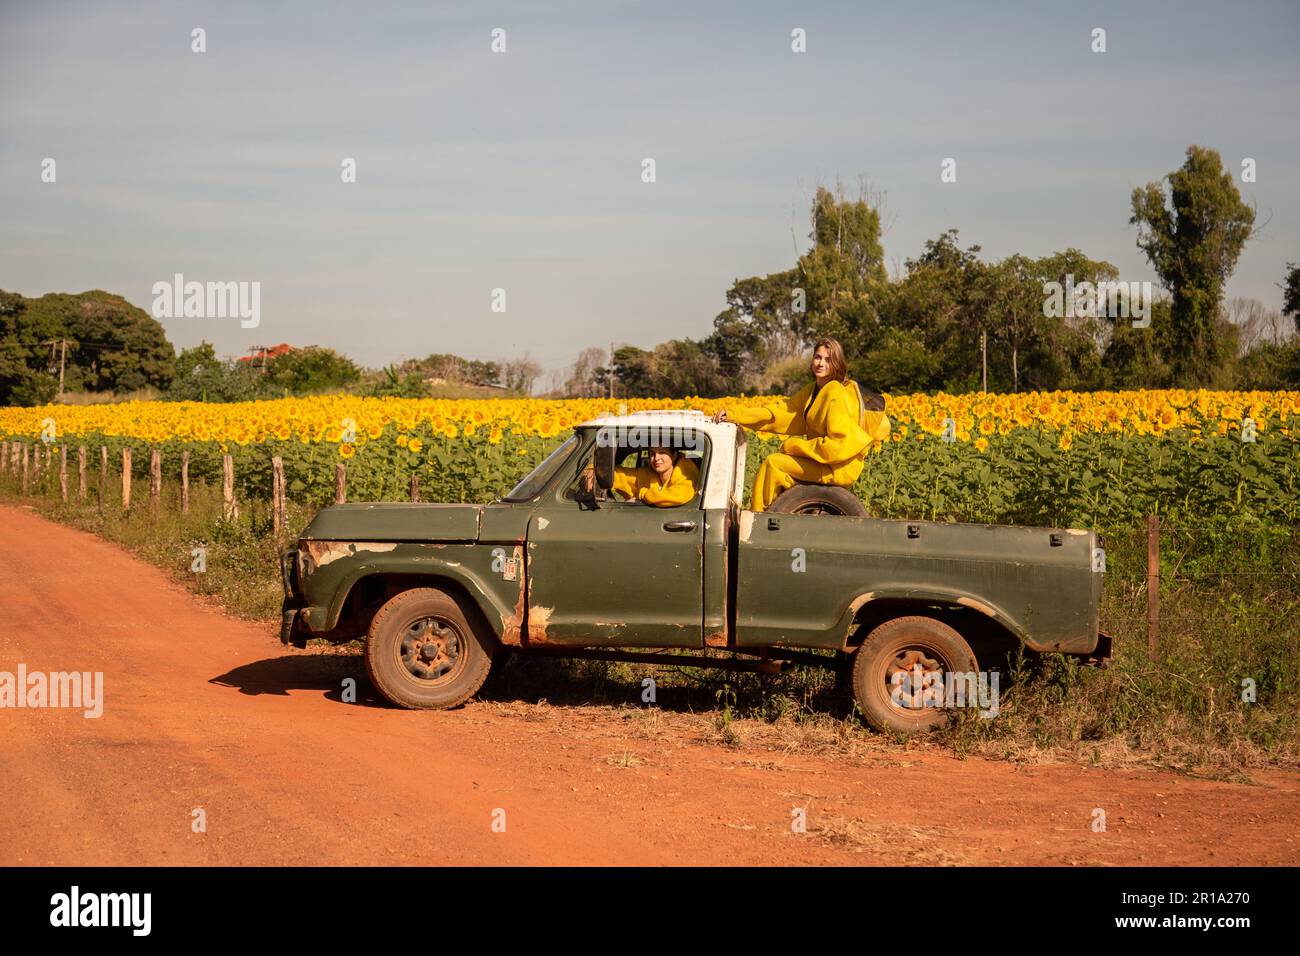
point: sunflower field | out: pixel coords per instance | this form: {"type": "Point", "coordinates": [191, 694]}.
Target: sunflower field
{"type": "Point", "coordinates": [1098, 458]}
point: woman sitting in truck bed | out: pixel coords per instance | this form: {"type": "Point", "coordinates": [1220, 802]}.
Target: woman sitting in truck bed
{"type": "Point", "coordinates": [830, 429]}
{"type": "Point", "coordinates": [670, 480]}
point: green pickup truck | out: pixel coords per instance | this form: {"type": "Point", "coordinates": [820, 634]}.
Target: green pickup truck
{"type": "Point", "coordinates": [559, 565]}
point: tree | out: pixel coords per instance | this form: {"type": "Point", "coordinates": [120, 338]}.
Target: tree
{"type": "Point", "coordinates": [103, 343]}
{"type": "Point", "coordinates": [203, 377]}
{"type": "Point", "coordinates": [584, 379]}
{"type": "Point", "coordinates": [518, 375]}
{"type": "Point", "coordinates": [22, 380]}
{"type": "Point", "coordinates": [392, 383]}
{"type": "Point", "coordinates": [112, 344]}
{"type": "Point", "coordinates": [1193, 238]}
{"type": "Point", "coordinates": [1291, 293]}
{"type": "Point", "coordinates": [844, 271]}
{"type": "Point", "coordinates": [309, 371]}
{"type": "Point", "coordinates": [1256, 325]}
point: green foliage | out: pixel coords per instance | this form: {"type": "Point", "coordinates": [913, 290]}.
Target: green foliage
{"type": "Point", "coordinates": [202, 377]}
{"type": "Point", "coordinates": [308, 371]}
{"type": "Point", "coordinates": [111, 346]}
{"type": "Point", "coordinates": [1193, 237]}
{"type": "Point", "coordinates": [391, 383]}
{"type": "Point", "coordinates": [1291, 293]}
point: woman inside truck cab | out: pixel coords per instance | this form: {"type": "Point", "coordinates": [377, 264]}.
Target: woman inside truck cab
{"type": "Point", "coordinates": [828, 424]}
{"type": "Point", "coordinates": [670, 480]}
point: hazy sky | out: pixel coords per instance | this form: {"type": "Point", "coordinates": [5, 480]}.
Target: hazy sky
{"type": "Point", "coordinates": [522, 170]}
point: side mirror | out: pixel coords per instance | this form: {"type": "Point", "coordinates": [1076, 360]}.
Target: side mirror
{"type": "Point", "coordinates": [603, 460]}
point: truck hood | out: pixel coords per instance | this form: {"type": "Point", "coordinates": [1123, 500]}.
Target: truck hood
{"type": "Point", "coordinates": [396, 522]}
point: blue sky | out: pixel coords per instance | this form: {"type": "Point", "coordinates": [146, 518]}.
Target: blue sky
{"type": "Point", "coordinates": [522, 170]}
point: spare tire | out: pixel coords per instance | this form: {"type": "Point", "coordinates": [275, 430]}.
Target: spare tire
{"type": "Point", "coordinates": [819, 500]}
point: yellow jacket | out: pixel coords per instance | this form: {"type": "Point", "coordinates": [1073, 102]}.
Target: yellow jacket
{"type": "Point", "coordinates": [834, 430]}
{"type": "Point", "coordinates": [643, 484]}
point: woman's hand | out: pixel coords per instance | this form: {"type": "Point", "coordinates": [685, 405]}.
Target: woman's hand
{"type": "Point", "coordinates": [719, 417]}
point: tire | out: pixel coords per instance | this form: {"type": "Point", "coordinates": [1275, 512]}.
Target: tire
{"type": "Point", "coordinates": [819, 500]}
{"type": "Point", "coordinates": [900, 644]}
{"type": "Point", "coordinates": [423, 653]}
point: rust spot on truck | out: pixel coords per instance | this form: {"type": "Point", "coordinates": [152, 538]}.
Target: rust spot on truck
{"type": "Point", "coordinates": [856, 604]}
{"type": "Point", "coordinates": [538, 618]}
{"type": "Point", "coordinates": [322, 553]}
{"type": "Point", "coordinates": [512, 624]}
{"type": "Point", "coordinates": [977, 605]}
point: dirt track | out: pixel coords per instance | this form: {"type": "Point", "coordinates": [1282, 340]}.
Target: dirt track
{"type": "Point", "coordinates": [202, 711]}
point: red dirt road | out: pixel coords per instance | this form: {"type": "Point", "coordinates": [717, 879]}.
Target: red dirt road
{"type": "Point", "coordinates": [202, 711]}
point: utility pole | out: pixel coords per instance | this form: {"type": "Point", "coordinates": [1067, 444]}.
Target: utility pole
{"type": "Point", "coordinates": [984, 358]}
{"type": "Point", "coordinates": [61, 347]}
{"type": "Point", "coordinates": [611, 369]}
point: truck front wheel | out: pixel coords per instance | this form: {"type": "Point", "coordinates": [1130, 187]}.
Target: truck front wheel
{"type": "Point", "coordinates": [899, 671]}
{"type": "Point", "coordinates": [423, 653]}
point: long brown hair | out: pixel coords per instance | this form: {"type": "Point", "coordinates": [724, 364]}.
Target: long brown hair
{"type": "Point", "coordinates": [839, 364]}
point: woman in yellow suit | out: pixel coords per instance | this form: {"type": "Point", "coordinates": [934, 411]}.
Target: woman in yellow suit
{"type": "Point", "coordinates": [829, 429]}
{"type": "Point", "coordinates": [670, 480]}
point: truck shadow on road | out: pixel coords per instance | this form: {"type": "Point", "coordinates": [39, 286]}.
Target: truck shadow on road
{"type": "Point", "coordinates": [327, 672]}
{"type": "Point", "coordinates": [562, 682]}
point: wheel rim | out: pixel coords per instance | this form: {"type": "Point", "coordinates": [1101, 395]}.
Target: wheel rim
{"type": "Point", "coordinates": [431, 651]}
{"type": "Point", "coordinates": [817, 509]}
{"type": "Point", "coordinates": [911, 660]}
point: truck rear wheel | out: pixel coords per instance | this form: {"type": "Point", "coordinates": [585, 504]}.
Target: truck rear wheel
{"type": "Point", "coordinates": [423, 653]}
{"type": "Point", "coordinates": [895, 664]}
{"type": "Point", "coordinates": [818, 500]}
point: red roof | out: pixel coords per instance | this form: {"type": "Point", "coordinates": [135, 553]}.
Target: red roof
{"type": "Point", "coordinates": [275, 351]}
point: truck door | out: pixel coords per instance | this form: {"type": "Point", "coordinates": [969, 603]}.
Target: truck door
{"type": "Point", "coordinates": [620, 573]}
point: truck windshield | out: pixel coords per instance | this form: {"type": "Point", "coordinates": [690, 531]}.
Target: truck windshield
{"type": "Point", "coordinates": [536, 480]}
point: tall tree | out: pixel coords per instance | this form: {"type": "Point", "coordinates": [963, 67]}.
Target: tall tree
{"type": "Point", "coordinates": [1193, 236]}
{"type": "Point", "coordinates": [1291, 293]}
{"type": "Point", "coordinates": [584, 379]}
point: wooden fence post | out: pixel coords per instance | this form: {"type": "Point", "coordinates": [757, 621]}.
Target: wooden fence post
{"type": "Point", "coordinates": [81, 472]}
{"type": "Point", "coordinates": [63, 473]}
{"type": "Point", "coordinates": [340, 484]}
{"type": "Point", "coordinates": [185, 482]}
{"type": "Point", "coordinates": [155, 479]}
{"type": "Point", "coordinates": [126, 479]}
{"type": "Point", "coordinates": [228, 510]}
{"type": "Point", "coordinates": [1153, 587]}
{"type": "Point", "coordinates": [25, 479]}
{"type": "Point", "coordinates": [37, 452]}
{"type": "Point", "coordinates": [277, 494]}
{"type": "Point", "coordinates": [415, 487]}
{"type": "Point", "coordinates": [103, 474]}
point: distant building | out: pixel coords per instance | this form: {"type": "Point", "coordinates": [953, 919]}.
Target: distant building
{"type": "Point", "coordinates": [259, 354]}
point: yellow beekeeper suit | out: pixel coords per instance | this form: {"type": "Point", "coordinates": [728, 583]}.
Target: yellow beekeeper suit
{"type": "Point", "coordinates": [829, 435]}
{"type": "Point", "coordinates": [644, 485]}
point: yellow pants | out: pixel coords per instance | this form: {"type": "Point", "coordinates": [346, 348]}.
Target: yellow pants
{"type": "Point", "coordinates": [779, 472]}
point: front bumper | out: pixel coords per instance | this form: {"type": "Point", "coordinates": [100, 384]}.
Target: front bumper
{"type": "Point", "coordinates": [291, 631]}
